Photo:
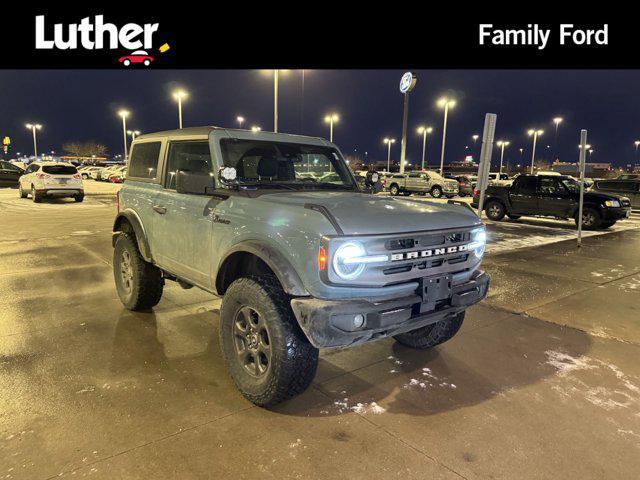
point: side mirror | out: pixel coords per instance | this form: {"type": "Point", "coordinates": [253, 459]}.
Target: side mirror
{"type": "Point", "coordinates": [194, 183]}
{"type": "Point", "coordinates": [372, 182]}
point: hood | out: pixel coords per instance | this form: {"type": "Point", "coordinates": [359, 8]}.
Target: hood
{"type": "Point", "coordinates": [599, 196]}
{"type": "Point", "coordinates": [359, 213]}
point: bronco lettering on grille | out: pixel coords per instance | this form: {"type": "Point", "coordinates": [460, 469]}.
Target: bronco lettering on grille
{"type": "Point", "coordinates": [432, 252]}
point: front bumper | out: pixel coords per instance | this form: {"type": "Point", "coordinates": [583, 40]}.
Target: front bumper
{"type": "Point", "coordinates": [329, 323]}
{"type": "Point", "coordinates": [615, 213]}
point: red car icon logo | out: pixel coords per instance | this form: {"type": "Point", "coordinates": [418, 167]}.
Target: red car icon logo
{"type": "Point", "coordinates": [139, 56]}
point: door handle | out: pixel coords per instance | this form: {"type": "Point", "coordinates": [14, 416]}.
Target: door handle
{"type": "Point", "coordinates": [160, 209]}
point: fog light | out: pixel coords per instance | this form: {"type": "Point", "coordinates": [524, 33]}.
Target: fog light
{"type": "Point", "coordinates": [358, 321]}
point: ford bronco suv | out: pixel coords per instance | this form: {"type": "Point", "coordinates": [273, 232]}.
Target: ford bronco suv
{"type": "Point", "coordinates": [301, 261]}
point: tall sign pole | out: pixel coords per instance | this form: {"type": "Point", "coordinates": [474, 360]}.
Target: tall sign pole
{"type": "Point", "coordinates": [407, 82]}
{"type": "Point", "coordinates": [485, 157]}
{"type": "Point", "coordinates": [583, 156]}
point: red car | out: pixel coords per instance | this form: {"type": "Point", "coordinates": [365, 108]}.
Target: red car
{"type": "Point", "coordinates": [139, 56]}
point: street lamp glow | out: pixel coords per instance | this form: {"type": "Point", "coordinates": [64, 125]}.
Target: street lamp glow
{"type": "Point", "coordinates": [557, 120]}
{"type": "Point", "coordinates": [34, 127]}
{"type": "Point", "coordinates": [331, 119]}
{"type": "Point", "coordinates": [240, 120]}
{"type": "Point", "coordinates": [535, 134]}
{"type": "Point", "coordinates": [502, 144]}
{"type": "Point", "coordinates": [446, 104]}
{"type": "Point", "coordinates": [388, 142]}
{"type": "Point", "coordinates": [475, 138]}
{"type": "Point", "coordinates": [124, 114]}
{"type": "Point", "coordinates": [179, 95]}
{"type": "Point", "coordinates": [424, 131]}
{"type": "Point", "coordinates": [255, 128]}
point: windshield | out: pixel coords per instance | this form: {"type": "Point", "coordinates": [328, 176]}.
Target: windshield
{"type": "Point", "coordinates": [264, 163]}
{"type": "Point", "coordinates": [571, 184]}
{"type": "Point", "coordinates": [59, 169]}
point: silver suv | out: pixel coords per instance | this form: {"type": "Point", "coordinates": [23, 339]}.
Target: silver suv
{"type": "Point", "coordinates": [421, 183]}
{"type": "Point", "coordinates": [277, 225]}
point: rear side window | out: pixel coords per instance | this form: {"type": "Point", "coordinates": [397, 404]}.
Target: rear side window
{"type": "Point", "coordinates": [59, 170]}
{"type": "Point", "coordinates": [526, 184]}
{"type": "Point", "coordinates": [143, 162]}
{"type": "Point", "coordinates": [187, 156]}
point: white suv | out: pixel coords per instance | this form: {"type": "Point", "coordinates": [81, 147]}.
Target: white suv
{"type": "Point", "coordinates": [51, 179]}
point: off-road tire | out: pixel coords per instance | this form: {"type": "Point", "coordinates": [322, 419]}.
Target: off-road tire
{"type": "Point", "coordinates": [293, 360]}
{"type": "Point", "coordinates": [431, 335]}
{"type": "Point", "coordinates": [21, 192]}
{"type": "Point", "coordinates": [436, 192]}
{"type": "Point", "coordinates": [146, 285]}
{"type": "Point", "coordinates": [35, 196]}
{"type": "Point", "coordinates": [394, 190]}
{"type": "Point", "coordinates": [595, 219]}
{"type": "Point", "coordinates": [495, 210]}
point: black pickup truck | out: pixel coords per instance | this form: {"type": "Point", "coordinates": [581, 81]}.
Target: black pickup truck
{"type": "Point", "coordinates": [553, 196]}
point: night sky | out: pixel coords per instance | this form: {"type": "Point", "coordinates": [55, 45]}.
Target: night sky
{"type": "Point", "coordinates": [82, 104]}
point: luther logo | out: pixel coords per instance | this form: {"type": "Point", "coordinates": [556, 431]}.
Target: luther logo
{"type": "Point", "coordinates": [96, 34]}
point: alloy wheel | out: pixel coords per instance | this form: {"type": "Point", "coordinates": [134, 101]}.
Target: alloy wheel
{"type": "Point", "coordinates": [252, 342]}
{"type": "Point", "coordinates": [126, 271]}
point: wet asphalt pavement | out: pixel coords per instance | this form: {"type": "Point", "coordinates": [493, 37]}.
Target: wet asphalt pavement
{"type": "Point", "coordinates": [543, 380]}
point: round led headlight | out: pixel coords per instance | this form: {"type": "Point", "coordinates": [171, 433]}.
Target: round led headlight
{"type": "Point", "coordinates": [345, 260]}
{"type": "Point", "coordinates": [479, 241]}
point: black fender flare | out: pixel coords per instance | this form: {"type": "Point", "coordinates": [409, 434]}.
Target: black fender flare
{"type": "Point", "coordinates": [138, 229]}
{"type": "Point", "coordinates": [276, 261]}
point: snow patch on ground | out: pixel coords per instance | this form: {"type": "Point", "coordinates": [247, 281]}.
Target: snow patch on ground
{"type": "Point", "coordinates": [610, 389]}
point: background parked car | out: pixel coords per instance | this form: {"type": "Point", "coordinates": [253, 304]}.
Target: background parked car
{"type": "Point", "coordinates": [51, 179]}
{"type": "Point", "coordinates": [9, 174]}
{"type": "Point", "coordinates": [421, 182]}
{"type": "Point", "coordinates": [466, 184]}
{"type": "Point", "coordinates": [625, 188]}
{"type": "Point", "coordinates": [118, 175]}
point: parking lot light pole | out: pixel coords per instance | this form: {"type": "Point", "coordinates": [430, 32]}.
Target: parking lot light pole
{"type": "Point", "coordinates": [388, 142]}
{"type": "Point", "coordinates": [445, 103]}
{"type": "Point", "coordinates": [179, 95]}
{"type": "Point", "coordinates": [535, 133]}
{"type": "Point", "coordinates": [501, 144]}
{"type": "Point", "coordinates": [331, 119]}
{"type": "Point", "coordinates": [557, 121]}
{"type": "Point", "coordinates": [34, 127]}
{"type": "Point", "coordinates": [240, 120]}
{"type": "Point", "coordinates": [124, 114]}
{"type": "Point", "coordinates": [422, 130]}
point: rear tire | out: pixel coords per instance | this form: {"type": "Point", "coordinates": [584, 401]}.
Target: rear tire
{"type": "Point", "coordinates": [21, 192]}
{"type": "Point", "coordinates": [35, 196]}
{"type": "Point", "coordinates": [495, 210]}
{"type": "Point", "coordinates": [436, 192]}
{"type": "Point", "coordinates": [431, 335]}
{"type": "Point", "coordinates": [394, 190]}
{"type": "Point", "coordinates": [79, 198]}
{"type": "Point", "coordinates": [266, 352]}
{"type": "Point", "coordinates": [139, 283]}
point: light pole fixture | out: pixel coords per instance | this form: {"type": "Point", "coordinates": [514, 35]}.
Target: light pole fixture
{"type": "Point", "coordinates": [331, 119]}
{"type": "Point", "coordinates": [240, 121]}
{"type": "Point", "coordinates": [637, 144]}
{"type": "Point", "coordinates": [179, 95]}
{"type": "Point", "coordinates": [255, 128]}
{"type": "Point", "coordinates": [34, 127]}
{"type": "Point", "coordinates": [501, 144]}
{"type": "Point", "coordinates": [557, 121]}
{"type": "Point", "coordinates": [133, 133]}
{"type": "Point", "coordinates": [388, 142]}
{"type": "Point", "coordinates": [446, 104]}
{"type": "Point", "coordinates": [535, 133]}
{"type": "Point", "coordinates": [124, 114]}
{"type": "Point", "coordinates": [424, 131]}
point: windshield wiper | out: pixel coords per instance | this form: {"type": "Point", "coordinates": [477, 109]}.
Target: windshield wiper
{"type": "Point", "coordinates": [340, 186]}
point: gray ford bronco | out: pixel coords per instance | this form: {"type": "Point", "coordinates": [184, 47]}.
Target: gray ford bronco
{"type": "Point", "coordinates": [302, 259]}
